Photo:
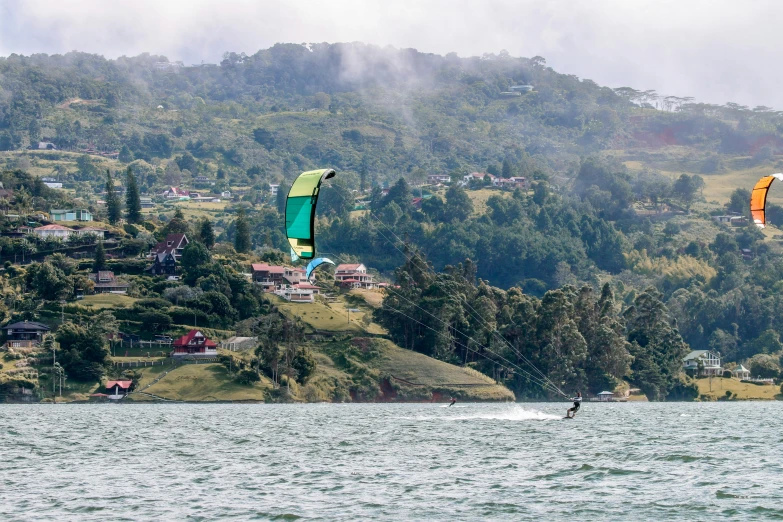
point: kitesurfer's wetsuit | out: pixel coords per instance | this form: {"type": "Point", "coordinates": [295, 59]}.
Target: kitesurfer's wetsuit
{"type": "Point", "coordinates": [577, 403]}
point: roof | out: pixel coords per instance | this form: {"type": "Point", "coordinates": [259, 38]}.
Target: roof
{"type": "Point", "coordinates": [264, 267]}
{"type": "Point", "coordinates": [185, 339]}
{"type": "Point", "coordinates": [740, 368]}
{"type": "Point", "coordinates": [348, 267]}
{"type": "Point", "coordinates": [105, 274]}
{"type": "Point", "coordinates": [350, 281]}
{"type": "Point", "coordinates": [606, 393]}
{"type": "Point", "coordinates": [175, 240]}
{"type": "Point", "coordinates": [695, 354]}
{"type": "Point", "coordinates": [122, 384]}
{"type": "Point", "coordinates": [58, 211]}
{"type": "Point", "coordinates": [306, 286]}
{"type": "Point", "coordinates": [28, 325]}
{"type": "Point", "coordinates": [54, 227]}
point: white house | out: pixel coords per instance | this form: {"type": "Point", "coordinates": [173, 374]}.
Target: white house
{"type": "Point", "coordinates": [273, 188]}
{"type": "Point", "coordinates": [53, 231]}
{"type": "Point", "coordinates": [295, 294]}
{"type": "Point", "coordinates": [479, 177]}
{"type": "Point", "coordinates": [354, 276]}
{"type": "Point", "coordinates": [703, 362]}
{"type": "Point", "coordinates": [740, 372]}
{"type": "Point", "coordinates": [434, 179]}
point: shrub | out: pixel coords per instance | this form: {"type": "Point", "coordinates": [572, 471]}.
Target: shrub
{"type": "Point", "coordinates": [247, 377]}
{"type": "Point", "coordinates": [726, 374]}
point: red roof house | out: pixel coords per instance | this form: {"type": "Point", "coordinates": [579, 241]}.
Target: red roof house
{"type": "Point", "coordinates": [194, 343]}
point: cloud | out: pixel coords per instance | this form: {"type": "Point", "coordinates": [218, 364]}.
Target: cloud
{"type": "Point", "coordinates": [717, 51]}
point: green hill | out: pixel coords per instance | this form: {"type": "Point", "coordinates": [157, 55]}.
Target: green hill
{"type": "Point", "coordinates": [362, 369]}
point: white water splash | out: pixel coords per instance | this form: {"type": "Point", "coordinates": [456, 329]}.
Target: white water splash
{"type": "Point", "coordinates": [515, 413]}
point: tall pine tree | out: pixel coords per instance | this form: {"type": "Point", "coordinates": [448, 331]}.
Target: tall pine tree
{"type": "Point", "coordinates": [100, 258]}
{"type": "Point", "coordinates": [242, 232]}
{"type": "Point", "coordinates": [132, 198]}
{"type": "Point", "coordinates": [113, 208]}
{"type": "Point", "coordinates": [207, 233]}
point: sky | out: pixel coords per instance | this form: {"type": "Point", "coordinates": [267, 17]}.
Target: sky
{"type": "Point", "coordinates": [717, 51]}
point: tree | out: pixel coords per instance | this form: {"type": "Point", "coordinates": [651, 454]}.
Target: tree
{"type": "Point", "coordinates": [100, 258]}
{"type": "Point", "coordinates": [657, 347]}
{"type": "Point", "coordinates": [242, 242]}
{"type": "Point", "coordinates": [113, 207]}
{"type": "Point", "coordinates": [685, 188]}
{"type": "Point", "coordinates": [507, 171]}
{"type": "Point", "coordinates": [132, 198]}
{"type": "Point", "coordinates": [207, 233]}
{"type": "Point", "coordinates": [458, 206]}
{"type": "Point", "coordinates": [738, 201]}
{"type": "Point", "coordinates": [177, 224]}
{"type": "Point", "coordinates": [126, 156]}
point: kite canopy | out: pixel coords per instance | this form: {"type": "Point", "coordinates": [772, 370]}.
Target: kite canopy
{"type": "Point", "coordinates": [300, 211]}
{"type": "Point", "coordinates": [315, 263]}
{"type": "Point", "coordinates": [758, 199]}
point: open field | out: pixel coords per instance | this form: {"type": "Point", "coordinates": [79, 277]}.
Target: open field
{"type": "Point", "coordinates": [204, 382]}
{"type": "Point", "coordinates": [319, 316]}
{"type": "Point", "coordinates": [103, 301]}
{"type": "Point", "coordinates": [480, 197]}
{"type": "Point", "coordinates": [740, 390]}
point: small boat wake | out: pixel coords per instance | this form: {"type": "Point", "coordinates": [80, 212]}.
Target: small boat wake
{"type": "Point", "coordinates": [516, 413]}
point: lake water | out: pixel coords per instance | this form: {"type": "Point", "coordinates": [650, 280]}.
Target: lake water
{"type": "Point", "coordinates": [631, 461]}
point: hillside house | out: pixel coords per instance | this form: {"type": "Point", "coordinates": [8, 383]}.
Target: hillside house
{"type": "Point", "coordinates": [239, 343]}
{"type": "Point", "coordinates": [165, 254]}
{"type": "Point", "coordinates": [294, 275]}
{"type": "Point", "coordinates": [194, 344]}
{"type": "Point", "coordinates": [71, 215]}
{"type": "Point", "coordinates": [53, 184]}
{"type": "Point", "coordinates": [146, 202]}
{"type": "Point", "coordinates": [295, 294]}
{"type": "Point", "coordinates": [57, 231]}
{"type": "Point", "coordinates": [98, 232]}
{"type": "Point", "coordinates": [731, 220]}
{"type": "Point", "coordinates": [268, 276]}
{"type": "Point", "coordinates": [702, 363]}
{"type": "Point", "coordinates": [203, 180]}
{"type": "Point", "coordinates": [514, 182]}
{"type": "Point", "coordinates": [354, 276]}
{"type": "Point", "coordinates": [273, 188]}
{"type": "Point", "coordinates": [435, 179]}
{"type": "Point", "coordinates": [521, 88]}
{"type": "Point", "coordinates": [116, 390]}
{"type": "Point", "coordinates": [175, 193]}
{"type": "Point", "coordinates": [24, 334]}
{"type": "Point", "coordinates": [479, 177]}
{"type": "Point", "coordinates": [63, 215]}
{"type": "Point", "coordinates": [107, 283]}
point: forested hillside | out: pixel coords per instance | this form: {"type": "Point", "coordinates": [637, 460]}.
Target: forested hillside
{"type": "Point", "coordinates": [605, 265]}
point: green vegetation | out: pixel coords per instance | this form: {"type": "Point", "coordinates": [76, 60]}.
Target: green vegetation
{"type": "Point", "coordinates": [603, 269]}
{"type": "Point", "coordinates": [203, 382]}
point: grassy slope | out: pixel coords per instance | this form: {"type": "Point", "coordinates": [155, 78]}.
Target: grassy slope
{"type": "Point", "coordinates": [102, 301]}
{"type": "Point", "coordinates": [201, 382]}
{"type": "Point", "coordinates": [431, 373]}
{"type": "Point", "coordinates": [742, 390]}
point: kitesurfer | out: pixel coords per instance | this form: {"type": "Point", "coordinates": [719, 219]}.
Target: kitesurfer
{"type": "Point", "coordinates": [453, 402]}
{"type": "Point", "coordinates": [577, 402]}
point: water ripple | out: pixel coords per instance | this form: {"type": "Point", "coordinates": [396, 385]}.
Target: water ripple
{"type": "Point", "coordinates": [390, 462]}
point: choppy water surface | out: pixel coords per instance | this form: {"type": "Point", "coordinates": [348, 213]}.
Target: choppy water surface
{"type": "Point", "coordinates": [391, 462]}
